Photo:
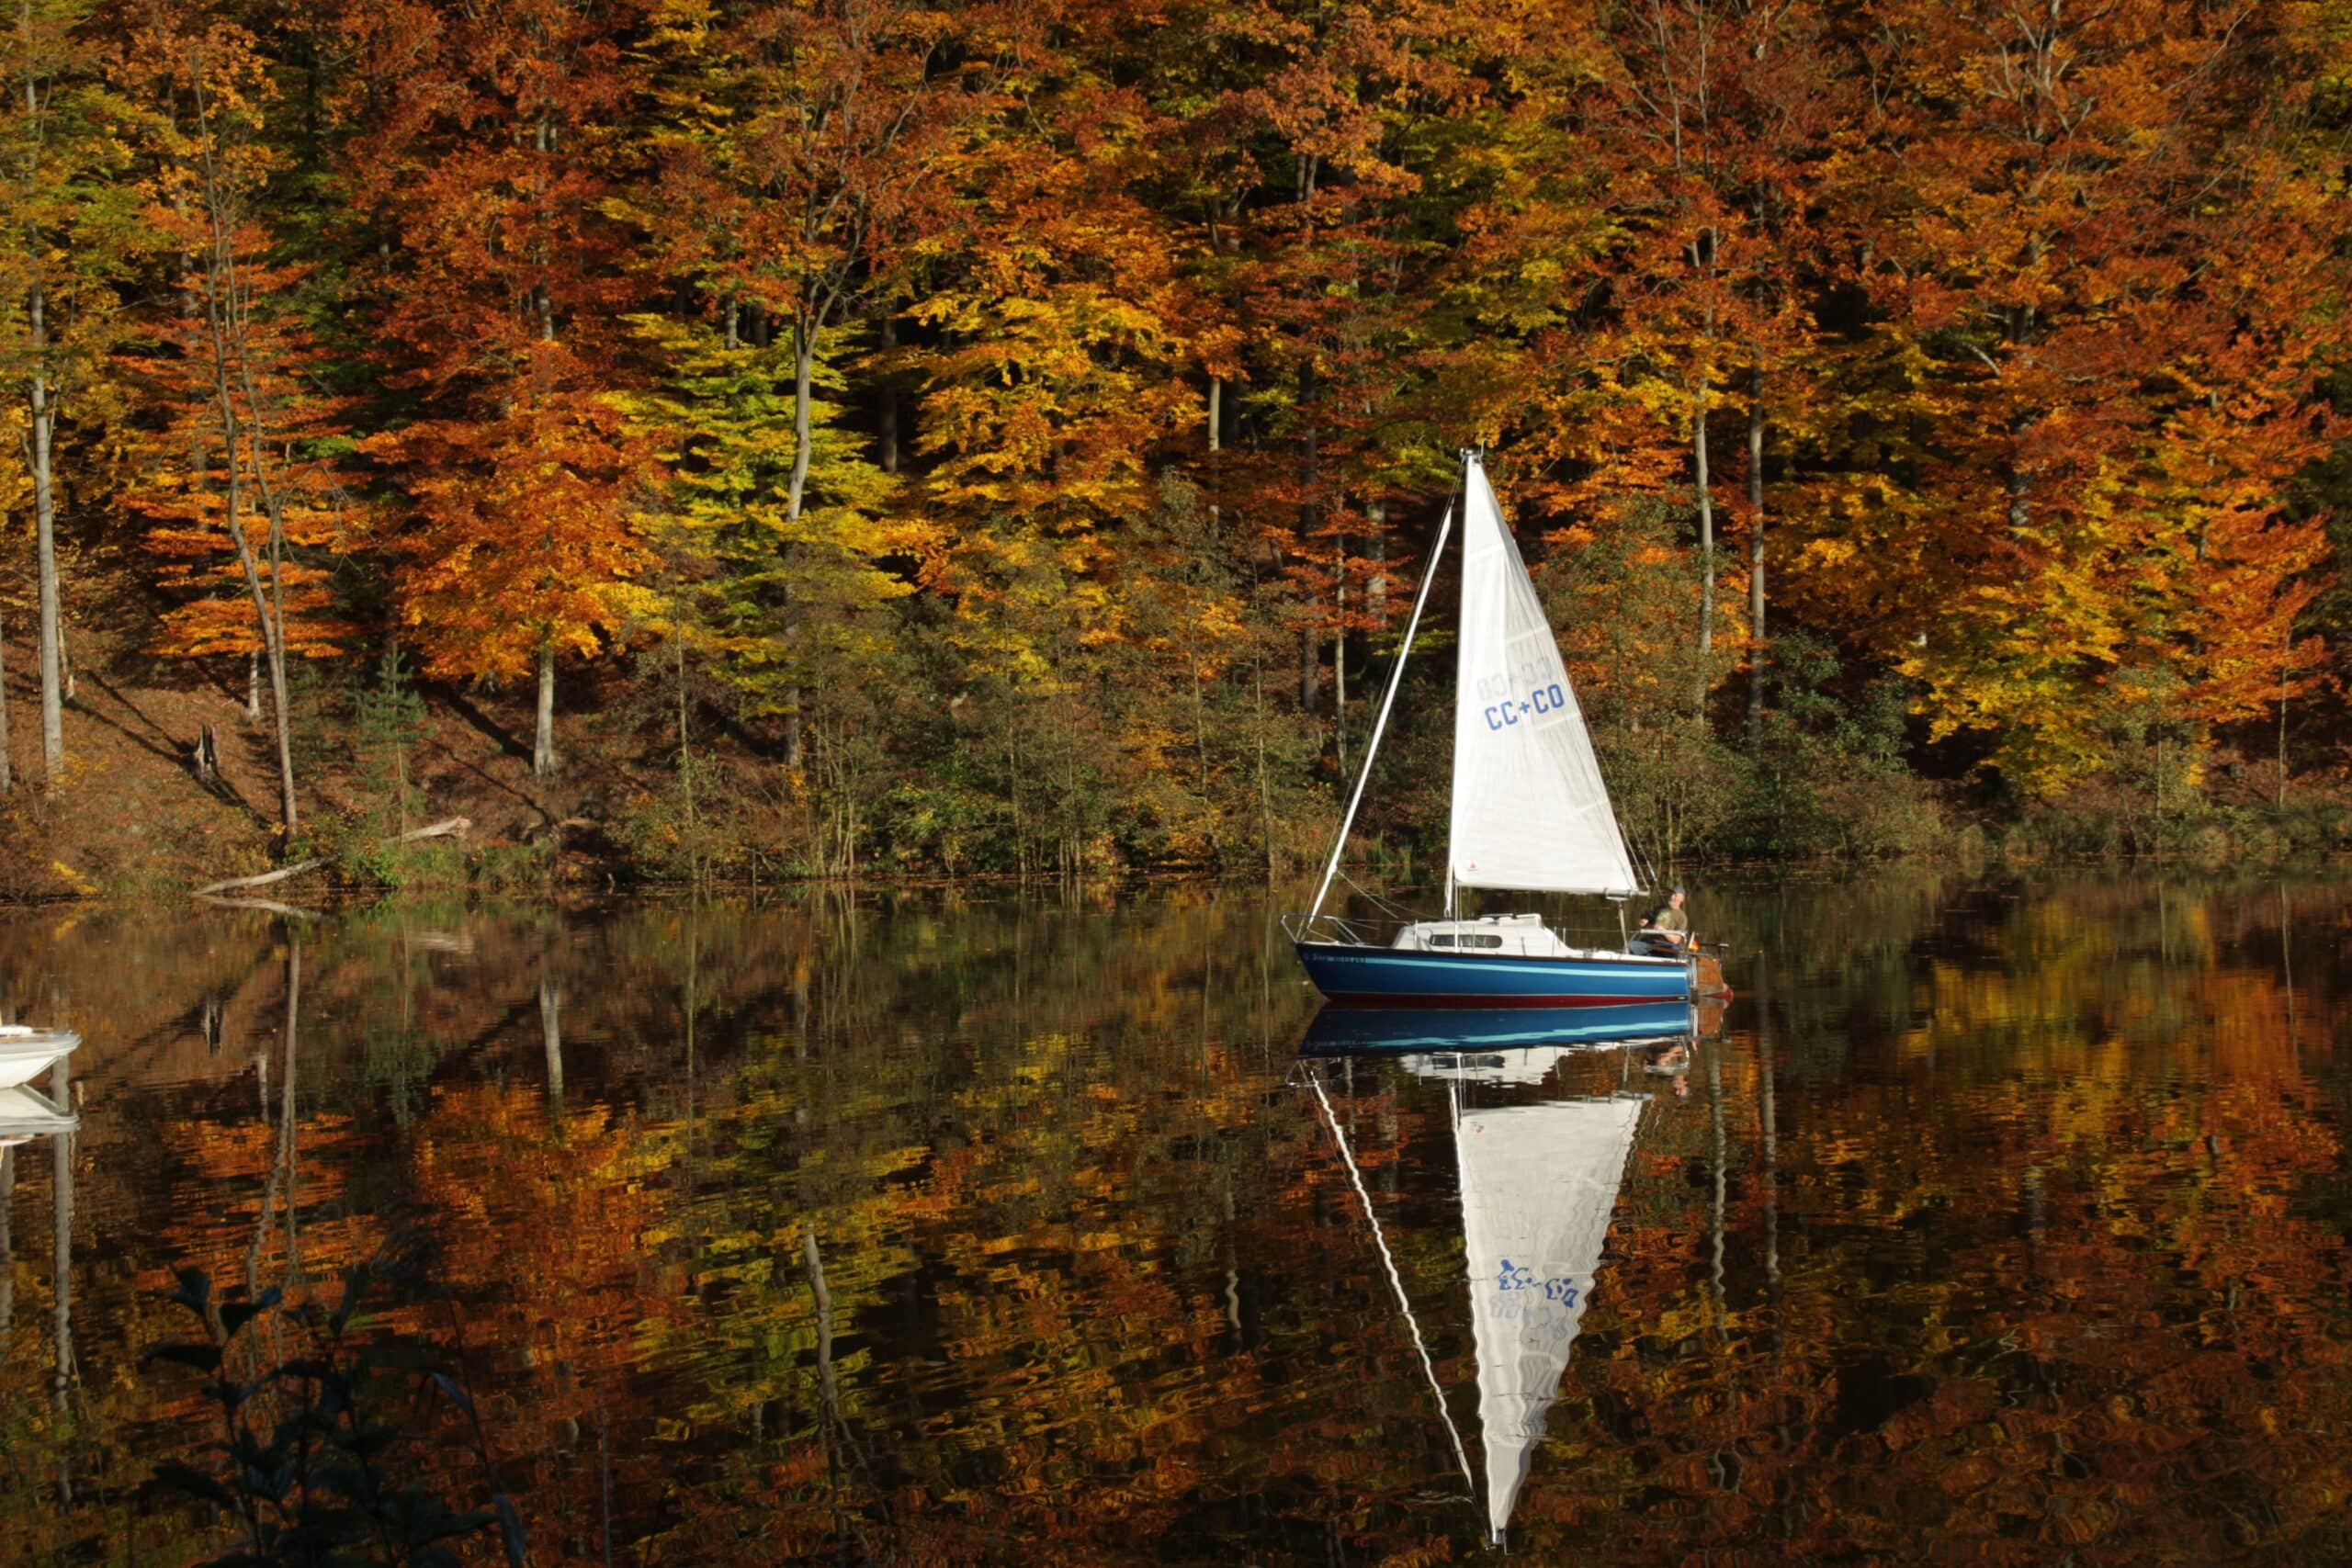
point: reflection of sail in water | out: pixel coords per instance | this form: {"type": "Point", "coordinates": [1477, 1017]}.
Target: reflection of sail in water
{"type": "Point", "coordinates": [1538, 1182]}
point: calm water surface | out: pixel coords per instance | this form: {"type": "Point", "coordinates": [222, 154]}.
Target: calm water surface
{"type": "Point", "coordinates": [2004, 1221]}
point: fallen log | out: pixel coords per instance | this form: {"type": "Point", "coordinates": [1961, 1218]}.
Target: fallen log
{"type": "Point", "coordinates": [442, 829]}
{"type": "Point", "coordinates": [267, 906]}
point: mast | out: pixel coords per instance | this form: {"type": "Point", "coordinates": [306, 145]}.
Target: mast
{"type": "Point", "coordinates": [1380, 725]}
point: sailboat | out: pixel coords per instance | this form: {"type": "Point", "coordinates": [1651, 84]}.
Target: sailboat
{"type": "Point", "coordinates": [1531, 814]}
{"type": "Point", "coordinates": [1538, 1183]}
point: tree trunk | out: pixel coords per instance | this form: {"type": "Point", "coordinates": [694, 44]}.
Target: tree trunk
{"type": "Point", "coordinates": [225, 329]}
{"type": "Point", "coordinates": [1702, 253]}
{"type": "Point", "coordinates": [1217, 444]}
{"type": "Point", "coordinates": [543, 741]}
{"type": "Point", "coordinates": [285, 738]}
{"type": "Point", "coordinates": [272, 631]}
{"type": "Point", "coordinates": [686, 779]}
{"type": "Point", "coordinates": [1265, 785]}
{"type": "Point", "coordinates": [253, 687]}
{"type": "Point", "coordinates": [890, 433]}
{"type": "Point", "coordinates": [1310, 672]}
{"type": "Point", "coordinates": [1340, 669]}
{"type": "Point", "coordinates": [1706, 548]}
{"type": "Point", "coordinates": [44, 421]}
{"type": "Point", "coordinates": [52, 642]}
{"type": "Point", "coordinates": [1758, 648]}
{"type": "Point", "coordinates": [8, 772]}
{"type": "Point", "coordinates": [2015, 480]}
{"type": "Point", "coordinates": [804, 372]}
{"type": "Point", "coordinates": [1310, 682]}
{"type": "Point", "coordinates": [2285, 666]}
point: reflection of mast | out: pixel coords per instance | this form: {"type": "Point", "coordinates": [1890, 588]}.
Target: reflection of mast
{"type": "Point", "coordinates": [1381, 1240]}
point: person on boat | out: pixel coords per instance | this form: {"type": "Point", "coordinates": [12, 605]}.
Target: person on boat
{"type": "Point", "coordinates": [1667, 929]}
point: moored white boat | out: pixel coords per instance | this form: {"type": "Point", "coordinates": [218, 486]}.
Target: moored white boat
{"type": "Point", "coordinates": [25, 1053]}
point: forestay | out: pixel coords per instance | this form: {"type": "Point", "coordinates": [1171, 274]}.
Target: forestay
{"type": "Point", "coordinates": [1529, 810]}
{"type": "Point", "coordinates": [1538, 1183]}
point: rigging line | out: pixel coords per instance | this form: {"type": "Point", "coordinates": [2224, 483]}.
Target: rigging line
{"type": "Point", "coordinates": [1386, 906]}
{"type": "Point", "coordinates": [1381, 1241]}
{"type": "Point", "coordinates": [1372, 748]}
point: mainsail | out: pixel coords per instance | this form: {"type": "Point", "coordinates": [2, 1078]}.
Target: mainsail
{"type": "Point", "coordinates": [1538, 1182]}
{"type": "Point", "coordinates": [1529, 810]}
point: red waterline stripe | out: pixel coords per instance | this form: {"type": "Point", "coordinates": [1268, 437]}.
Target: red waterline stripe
{"type": "Point", "coordinates": [1426, 1000]}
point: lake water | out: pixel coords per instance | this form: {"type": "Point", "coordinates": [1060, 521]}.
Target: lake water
{"type": "Point", "coordinates": [2004, 1220]}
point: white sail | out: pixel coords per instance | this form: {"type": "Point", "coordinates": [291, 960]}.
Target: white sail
{"type": "Point", "coordinates": [1529, 811]}
{"type": "Point", "coordinates": [1538, 1183]}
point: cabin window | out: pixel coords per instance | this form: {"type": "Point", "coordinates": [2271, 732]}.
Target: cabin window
{"type": "Point", "coordinates": [1442, 941]}
{"type": "Point", "coordinates": [1476, 941]}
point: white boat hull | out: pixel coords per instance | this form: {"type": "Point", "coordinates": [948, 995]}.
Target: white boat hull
{"type": "Point", "coordinates": [25, 1053]}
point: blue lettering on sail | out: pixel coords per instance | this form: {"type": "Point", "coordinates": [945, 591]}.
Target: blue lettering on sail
{"type": "Point", "coordinates": [1561, 1289]}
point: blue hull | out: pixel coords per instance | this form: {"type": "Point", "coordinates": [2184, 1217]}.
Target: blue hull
{"type": "Point", "coordinates": [1407, 978]}
{"type": "Point", "coordinates": [1343, 1030]}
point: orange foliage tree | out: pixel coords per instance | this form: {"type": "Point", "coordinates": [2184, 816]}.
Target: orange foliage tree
{"type": "Point", "coordinates": [241, 475]}
{"type": "Point", "coordinates": [2064, 223]}
{"type": "Point", "coordinates": [485, 162]}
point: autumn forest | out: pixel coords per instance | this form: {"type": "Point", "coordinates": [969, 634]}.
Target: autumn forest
{"type": "Point", "coordinates": [1006, 437]}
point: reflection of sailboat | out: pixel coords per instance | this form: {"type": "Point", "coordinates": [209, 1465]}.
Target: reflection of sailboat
{"type": "Point", "coordinates": [25, 1053]}
{"type": "Point", "coordinates": [1338, 1030]}
{"type": "Point", "coordinates": [27, 1114]}
{"type": "Point", "coordinates": [1539, 1181]}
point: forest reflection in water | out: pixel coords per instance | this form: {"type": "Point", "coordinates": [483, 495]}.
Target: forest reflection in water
{"type": "Point", "coordinates": [2005, 1218]}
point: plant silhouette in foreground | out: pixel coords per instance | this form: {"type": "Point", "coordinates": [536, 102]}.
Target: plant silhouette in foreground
{"type": "Point", "coordinates": [304, 1467]}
